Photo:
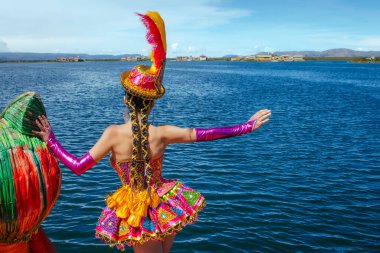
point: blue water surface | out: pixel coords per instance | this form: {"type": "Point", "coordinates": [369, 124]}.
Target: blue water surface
{"type": "Point", "coordinates": [308, 181]}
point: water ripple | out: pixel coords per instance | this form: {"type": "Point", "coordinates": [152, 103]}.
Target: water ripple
{"type": "Point", "coordinates": [306, 182]}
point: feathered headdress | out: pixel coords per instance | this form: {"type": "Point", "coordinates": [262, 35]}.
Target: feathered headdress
{"type": "Point", "coordinates": [144, 81]}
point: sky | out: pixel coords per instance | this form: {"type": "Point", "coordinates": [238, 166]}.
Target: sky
{"type": "Point", "coordinates": [193, 27]}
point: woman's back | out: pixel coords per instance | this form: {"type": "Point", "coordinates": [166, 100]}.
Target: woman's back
{"type": "Point", "coordinates": [122, 147]}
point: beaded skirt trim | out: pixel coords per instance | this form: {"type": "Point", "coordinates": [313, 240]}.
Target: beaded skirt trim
{"type": "Point", "coordinates": [178, 207]}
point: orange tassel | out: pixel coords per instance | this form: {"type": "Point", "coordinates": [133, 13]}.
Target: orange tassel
{"type": "Point", "coordinates": [141, 209]}
{"type": "Point", "coordinates": [155, 200]}
{"type": "Point", "coordinates": [134, 220]}
{"type": "Point", "coordinates": [122, 212]}
{"type": "Point", "coordinates": [148, 201]}
{"type": "Point", "coordinates": [131, 205]}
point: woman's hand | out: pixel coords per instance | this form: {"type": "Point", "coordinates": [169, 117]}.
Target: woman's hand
{"type": "Point", "coordinates": [262, 117]}
{"type": "Point", "coordinates": [44, 126]}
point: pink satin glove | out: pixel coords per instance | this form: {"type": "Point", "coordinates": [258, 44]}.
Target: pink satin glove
{"type": "Point", "coordinates": [78, 166]}
{"type": "Point", "coordinates": [210, 134]}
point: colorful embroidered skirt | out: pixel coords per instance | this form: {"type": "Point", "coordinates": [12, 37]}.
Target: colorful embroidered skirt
{"type": "Point", "coordinates": [179, 206]}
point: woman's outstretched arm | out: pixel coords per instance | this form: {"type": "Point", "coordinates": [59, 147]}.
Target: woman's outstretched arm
{"type": "Point", "coordinates": [77, 165]}
{"type": "Point", "coordinates": [173, 134]}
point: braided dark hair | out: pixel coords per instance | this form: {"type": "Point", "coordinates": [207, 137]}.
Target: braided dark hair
{"type": "Point", "coordinates": [140, 140]}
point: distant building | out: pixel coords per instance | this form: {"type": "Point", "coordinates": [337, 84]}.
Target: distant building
{"type": "Point", "coordinates": [275, 58]}
{"type": "Point", "coordinates": [298, 58]}
{"type": "Point", "coordinates": [69, 59]}
{"type": "Point", "coordinates": [180, 58]}
{"type": "Point", "coordinates": [250, 58]}
{"type": "Point", "coordinates": [203, 58]}
{"type": "Point", "coordinates": [264, 57]}
{"type": "Point", "coordinates": [289, 58]}
{"type": "Point", "coordinates": [185, 58]}
{"type": "Point", "coordinates": [286, 57]}
{"type": "Point", "coordinates": [135, 58]}
{"type": "Point", "coordinates": [269, 58]}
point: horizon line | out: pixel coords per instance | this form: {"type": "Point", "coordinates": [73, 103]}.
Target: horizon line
{"type": "Point", "coordinates": [119, 54]}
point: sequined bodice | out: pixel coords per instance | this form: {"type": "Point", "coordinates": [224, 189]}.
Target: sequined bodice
{"type": "Point", "coordinates": [123, 169]}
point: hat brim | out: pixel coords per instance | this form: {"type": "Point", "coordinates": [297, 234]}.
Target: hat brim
{"type": "Point", "coordinates": [135, 90]}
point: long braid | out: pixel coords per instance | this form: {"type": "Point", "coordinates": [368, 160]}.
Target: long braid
{"type": "Point", "coordinates": [140, 141]}
{"type": "Point", "coordinates": [145, 141]}
{"type": "Point", "coordinates": [136, 144]}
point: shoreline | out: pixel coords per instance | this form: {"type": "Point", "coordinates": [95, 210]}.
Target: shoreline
{"type": "Point", "coordinates": [350, 59]}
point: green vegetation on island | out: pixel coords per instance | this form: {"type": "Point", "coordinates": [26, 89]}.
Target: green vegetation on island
{"type": "Point", "coordinates": [350, 59]}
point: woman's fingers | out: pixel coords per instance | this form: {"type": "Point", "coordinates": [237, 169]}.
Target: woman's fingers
{"type": "Point", "coordinates": [46, 122]}
{"type": "Point", "coordinates": [42, 120]}
{"type": "Point", "coordinates": [258, 114]}
{"type": "Point", "coordinates": [260, 123]}
{"type": "Point", "coordinates": [44, 127]}
{"type": "Point", "coordinates": [261, 116]}
{"type": "Point", "coordinates": [266, 115]}
{"type": "Point", "coordinates": [37, 133]}
{"type": "Point", "coordinates": [263, 112]}
{"type": "Point", "coordinates": [39, 124]}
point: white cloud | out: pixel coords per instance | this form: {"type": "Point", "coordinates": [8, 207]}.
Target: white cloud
{"type": "Point", "coordinates": [3, 46]}
{"type": "Point", "coordinates": [174, 46]}
{"type": "Point", "coordinates": [89, 25]}
{"type": "Point", "coordinates": [98, 26]}
{"type": "Point", "coordinates": [269, 49]}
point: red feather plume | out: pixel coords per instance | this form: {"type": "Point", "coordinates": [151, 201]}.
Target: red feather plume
{"type": "Point", "coordinates": [153, 36]}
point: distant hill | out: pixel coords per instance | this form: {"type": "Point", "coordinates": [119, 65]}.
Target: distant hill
{"type": "Point", "coordinates": [337, 52]}
{"type": "Point", "coordinates": [9, 56]}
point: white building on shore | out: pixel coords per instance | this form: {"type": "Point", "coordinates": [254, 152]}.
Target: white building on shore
{"type": "Point", "coordinates": [278, 58]}
{"type": "Point", "coordinates": [264, 57]}
{"type": "Point", "coordinates": [191, 58]}
{"type": "Point", "coordinates": [69, 59]}
{"type": "Point", "coordinates": [203, 57]}
{"type": "Point", "coordinates": [136, 58]}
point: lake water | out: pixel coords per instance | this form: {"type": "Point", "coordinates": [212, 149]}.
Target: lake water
{"type": "Point", "coordinates": [308, 181]}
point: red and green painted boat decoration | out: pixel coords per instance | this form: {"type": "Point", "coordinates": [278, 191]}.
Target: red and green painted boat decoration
{"type": "Point", "coordinates": [30, 177]}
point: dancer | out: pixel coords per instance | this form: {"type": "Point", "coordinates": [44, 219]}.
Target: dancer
{"type": "Point", "coordinates": [148, 210]}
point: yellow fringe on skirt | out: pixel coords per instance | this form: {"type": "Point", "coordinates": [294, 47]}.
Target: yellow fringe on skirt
{"type": "Point", "coordinates": [132, 205]}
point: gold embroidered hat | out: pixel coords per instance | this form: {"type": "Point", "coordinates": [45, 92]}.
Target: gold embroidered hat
{"type": "Point", "coordinates": [146, 81]}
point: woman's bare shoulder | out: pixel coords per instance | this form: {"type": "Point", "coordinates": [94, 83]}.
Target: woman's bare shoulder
{"type": "Point", "coordinates": [117, 130]}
